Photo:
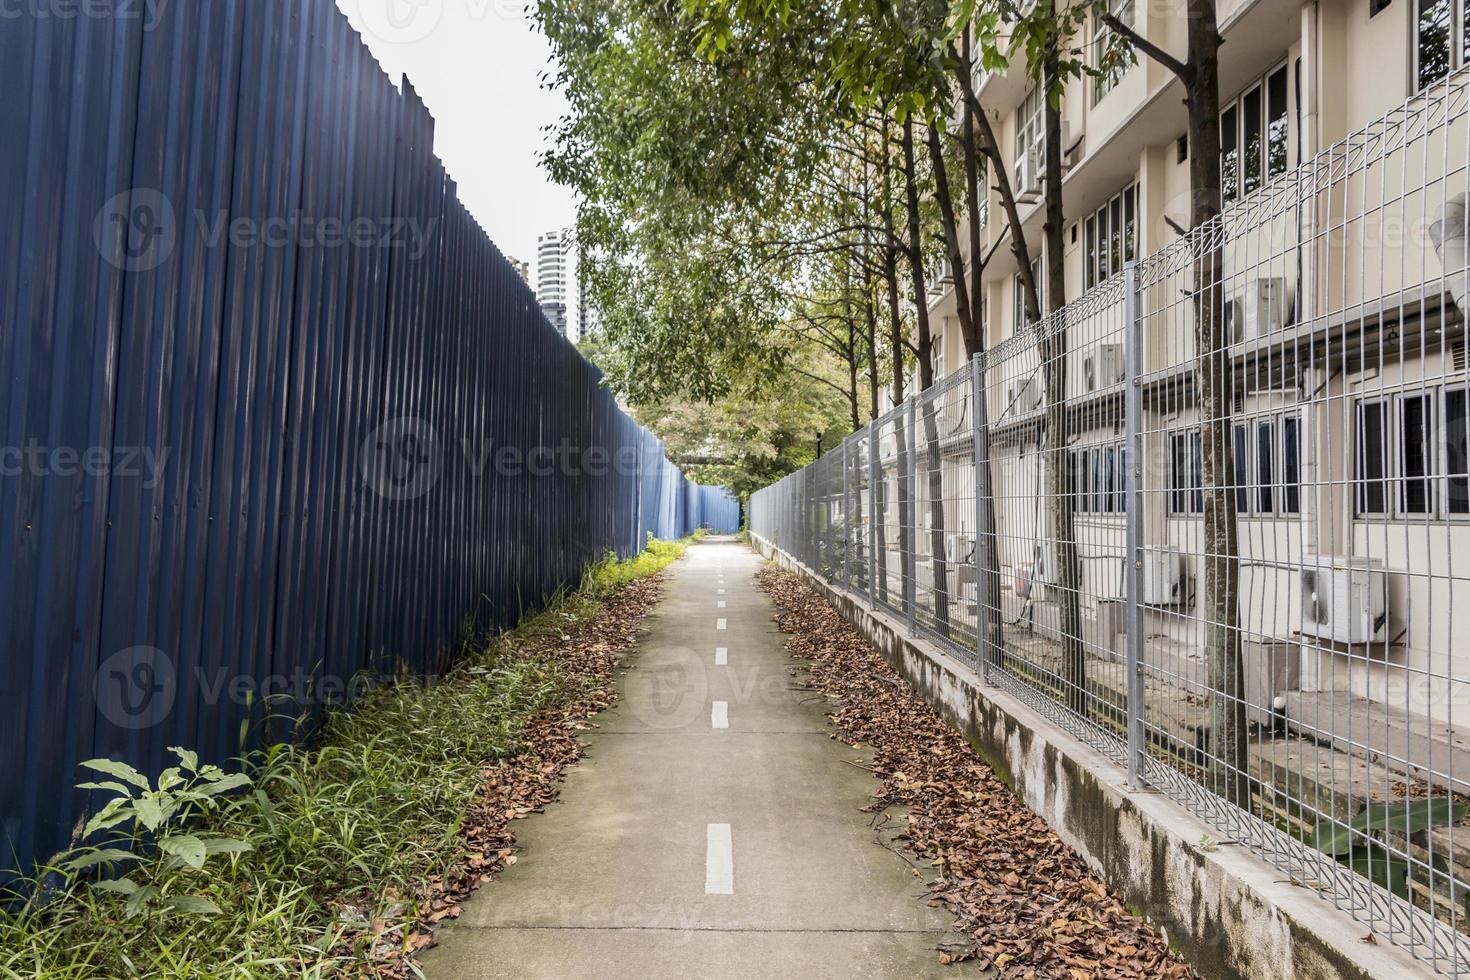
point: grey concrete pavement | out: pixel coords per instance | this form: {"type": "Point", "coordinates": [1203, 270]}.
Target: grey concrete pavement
{"type": "Point", "coordinates": [621, 878]}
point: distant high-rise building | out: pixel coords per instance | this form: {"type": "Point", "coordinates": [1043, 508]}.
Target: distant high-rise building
{"type": "Point", "coordinates": [551, 276]}
{"type": "Point", "coordinates": [523, 269]}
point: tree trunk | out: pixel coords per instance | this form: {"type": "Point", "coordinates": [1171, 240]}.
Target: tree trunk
{"type": "Point", "coordinates": [1056, 468]}
{"type": "Point", "coordinates": [1031, 297]}
{"type": "Point", "coordinates": [1219, 606]}
{"type": "Point", "coordinates": [1214, 387]}
{"type": "Point", "coordinates": [870, 312]}
{"type": "Point", "coordinates": [895, 343]}
{"type": "Point", "coordinates": [851, 351]}
{"type": "Point", "coordinates": [926, 409]}
{"type": "Point", "coordinates": [870, 323]}
{"type": "Point", "coordinates": [950, 224]}
{"type": "Point", "coordinates": [988, 614]}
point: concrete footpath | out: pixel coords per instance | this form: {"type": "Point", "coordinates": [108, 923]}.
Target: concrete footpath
{"type": "Point", "coordinates": [713, 830]}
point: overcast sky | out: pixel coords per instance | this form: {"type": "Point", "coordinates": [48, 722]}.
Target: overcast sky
{"type": "Point", "coordinates": [477, 64]}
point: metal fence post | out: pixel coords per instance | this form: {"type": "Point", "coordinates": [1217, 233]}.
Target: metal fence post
{"type": "Point", "coordinates": [874, 484]}
{"type": "Point", "coordinates": [911, 532]}
{"type": "Point", "coordinates": [982, 507]}
{"type": "Point", "coordinates": [1133, 507]}
{"type": "Point", "coordinates": [846, 523]}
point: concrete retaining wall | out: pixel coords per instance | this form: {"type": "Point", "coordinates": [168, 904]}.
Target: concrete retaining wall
{"type": "Point", "coordinates": [1228, 912]}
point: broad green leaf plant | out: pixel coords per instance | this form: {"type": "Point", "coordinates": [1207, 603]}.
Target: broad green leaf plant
{"type": "Point", "coordinates": [146, 853]}
{"type": "Point", "coordinates": [1359, 842]}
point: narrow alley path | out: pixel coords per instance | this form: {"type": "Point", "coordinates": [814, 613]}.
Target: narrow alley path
{"type": "Point", "coordinates": [713, 829]}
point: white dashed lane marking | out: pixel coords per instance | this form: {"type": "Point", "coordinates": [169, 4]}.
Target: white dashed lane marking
{"type": "Point", "coordinates": [719, 860]}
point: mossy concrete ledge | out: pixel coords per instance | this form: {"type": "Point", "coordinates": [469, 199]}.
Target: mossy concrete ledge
{"type": "Point", "coordinates": [1226, 911]}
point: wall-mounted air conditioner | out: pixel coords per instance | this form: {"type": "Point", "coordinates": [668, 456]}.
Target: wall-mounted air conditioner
{"type": "Point", "coordinates": [1163, 575]}
{"type": "Point", "coordinates": [1102, 366]}
{"type": "Point", "coordinates": [1272, 668]}
{"type": "Point", "coordinates": [1344, 599]}
{"type": "Point", "coordinates": [1071, 146]}
{"type": "Point", "coordinates": [1030, 169]}
{"type": "Point", "coordinates": [939, 276]}
{"type": "Point", "coordinates": [1448, 236]}
{"type": "Point", "coordinates": [958, 549]}
{"type": "Point", "coordinates": [1035, 573]}
{"type": "Point", "coordinates": [1023, 396]}
{"type": "Point", "coordinates": [1256, 308]}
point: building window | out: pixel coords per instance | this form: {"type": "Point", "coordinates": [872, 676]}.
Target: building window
{"type": "Point", "coordinates": [1410, 455]}
{"type": "Point", "coordinates": [1030, 136]}
{"type": "Point", "coordinates": [1097, 478]}
{"type": "Point", "coordinates": [1372, 458]}
{"type": "Point", "coordinates": [1186, 493]}
{"type": "Point", "coordinates": [1018, 295]}
{"type": "Point", "coordinates": [1267, 456]}
{"type": "Point", "coordinates": [1111, 237]}
{"type": "Point", "coordinates": [1253, 136]}
{"type": "Point", "coordinates": [1111, 65]}
{"type": "Point", "coordinates": [1441, 39]}
{"type": "Point", "coordinates": [1457, 474]}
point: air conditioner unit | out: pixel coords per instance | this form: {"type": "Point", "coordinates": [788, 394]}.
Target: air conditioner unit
{"type": "Point", "coordinates": [1256, 308]}
{"type": "Point", "coordinates": [1163, 575]}
{"type": "Point", "coordinates": [1023, 396]}
{"type": "Point", "coordinates": [1344, 599]}
{"type": "Point", "coordinates": [1103, 366]}
{"type": "Point", "coordinates": [958, 548]}
{"type": "Point", "coordinates": [1448, 236]}
{"type": "Point", "coordinates": [1035, 574]}
{"type": "Point", "coordinates": [1271, 667]}
{"type": "Point", "coordinates": [939, 276]}
{"type": "Point", "coordinates": [1071, 147]}
{"type": "Point", "coordinates": [1030, 169]}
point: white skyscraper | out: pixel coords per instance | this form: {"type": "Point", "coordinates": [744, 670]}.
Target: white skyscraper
{"type": "Point", "coordinates": [553, 276]}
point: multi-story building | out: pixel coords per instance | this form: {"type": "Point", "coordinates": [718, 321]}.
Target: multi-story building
{"type": "Point", "coordinates": [523, 269]}
{"type": "Point", "coordinates": [1344, 159]}
{"type": "Point", "coordinates": [552, 281]}
{"type": "Point", "coordinates": [1295, 79]}
{"type": "Point", "coordinates": [1323, 401]}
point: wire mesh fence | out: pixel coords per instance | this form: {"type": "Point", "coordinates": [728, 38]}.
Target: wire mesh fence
{"type": "Point", "coordinates": [1205, 518]}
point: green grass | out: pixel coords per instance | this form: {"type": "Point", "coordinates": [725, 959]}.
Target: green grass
{"type": "Point", "coordinates": [279, 876]}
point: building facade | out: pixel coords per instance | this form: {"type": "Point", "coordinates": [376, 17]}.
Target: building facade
{"type": "Point", "coordinates": [1228, 480]}
{"type": "Point", "coordinates": [552, 276]}
{"type": "Point", "coordinates": [1344, 159]}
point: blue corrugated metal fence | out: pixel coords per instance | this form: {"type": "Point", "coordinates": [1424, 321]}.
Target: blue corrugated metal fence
{"type": "Point", "coordinates": [276, 411]}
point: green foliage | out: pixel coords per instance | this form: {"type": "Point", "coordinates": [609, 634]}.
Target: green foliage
{"type": "Point", "coordinates": [1358, 843]}
{"type": "Point", "coordinates": [748, 440]}
{"type": "Point", "coordinates": [161, 877]}
{"type": "Point", "coordinates": [681, 165]}
{"type": "Point", "coordinates": [283, 869]}
{"type": "Point", "coordinates": [1404, 818]}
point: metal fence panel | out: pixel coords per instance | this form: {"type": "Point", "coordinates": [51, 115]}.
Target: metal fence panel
{"type": "Point", "coordinates": [1216, 504]}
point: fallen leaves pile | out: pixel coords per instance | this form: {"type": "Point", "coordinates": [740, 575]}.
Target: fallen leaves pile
{"type": "Point", "coordinates": [1030, 904]}
{"type": "Point", "coordinates": [516, 787]}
